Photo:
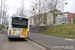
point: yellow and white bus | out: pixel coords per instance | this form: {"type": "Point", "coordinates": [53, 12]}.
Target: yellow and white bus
{"type": "Point", "coordinates": [18, 27]}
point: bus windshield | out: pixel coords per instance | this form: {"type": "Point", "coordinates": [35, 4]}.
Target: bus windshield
{"type": "Point", "coordinates": [19, 22]}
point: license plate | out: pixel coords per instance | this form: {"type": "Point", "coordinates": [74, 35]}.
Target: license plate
{"type": "Point", "coordinates": [21, 36]}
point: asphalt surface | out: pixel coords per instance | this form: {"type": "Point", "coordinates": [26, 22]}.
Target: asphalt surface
{"type": "Point", "coordinates": [19, 44]}
{"type": "Point", "coordinates": [53, 42]}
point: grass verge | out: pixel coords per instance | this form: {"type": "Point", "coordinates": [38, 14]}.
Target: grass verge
{"type": "Point", "coordinates": [67, 30]}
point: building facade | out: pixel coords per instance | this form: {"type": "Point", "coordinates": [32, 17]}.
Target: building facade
{"type": "Point", "coordinates": [62, 18]}
{"type": "Point", "coordinates": [65, 18]}
{"type": "Point", "coordinates": [46, 19]}
{"type": "Point", "coordinates": [71, 18]}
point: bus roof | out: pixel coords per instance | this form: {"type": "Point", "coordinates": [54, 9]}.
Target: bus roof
{"type": "Point", "coordinates": [24, 17]}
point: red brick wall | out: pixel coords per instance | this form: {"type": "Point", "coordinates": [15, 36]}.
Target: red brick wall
{"type": "Point", "coordinates": [70, 15]}
{"type": "Point", "coordinates": [73, 21]}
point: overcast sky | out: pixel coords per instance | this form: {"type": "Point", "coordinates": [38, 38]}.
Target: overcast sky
{"type": "Point", "coordinates": [70, 7]}
{"type": "Point", "coordinates": [15, 4]}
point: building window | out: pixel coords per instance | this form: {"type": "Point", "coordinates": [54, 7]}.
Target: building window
{"type": "Point", "coordinates": [58, 15]}
{"type": "Point", "coordinates": [65, 14]}
{"type": "Point", "coordinates": [71, 22]}
{"type": "Point", "coordinates": [51, 14]}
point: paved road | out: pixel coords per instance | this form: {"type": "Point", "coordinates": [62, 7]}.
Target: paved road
{"type": "Point", "coordinates": [19, 44]}
{"type": "Point", "coordinates": [54, 42]}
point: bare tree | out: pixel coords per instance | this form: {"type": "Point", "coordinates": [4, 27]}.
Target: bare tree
{"type": "Point", "coordinates": [4, 15]}
{"type": "Point", "coordinates": [34, 15]}
{"type": "Point", "coordinates": [39, 8]}
{"type": "Point", "coordinates": [20, 11]}
{"type": "Point", "coordinates": [54, 5]}
{"type": "Point", "coordinates": [14, 15]}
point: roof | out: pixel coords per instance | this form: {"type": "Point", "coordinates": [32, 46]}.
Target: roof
{"type": "Point", "coordinates": [73, 13]}
{"type": "Point", "coordinates": [62, 13]}
{"type": "Point", "coordinates": [44, 13]}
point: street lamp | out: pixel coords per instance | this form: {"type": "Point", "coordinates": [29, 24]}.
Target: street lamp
{"type": "Point", "coordinates": [63, 9]}
{"type": "Point", "coordinates": [33, 16]}
{"type": "Point", "coordinates": [65, 4]}
{"type": "Point", "coordinates": [39, 14]}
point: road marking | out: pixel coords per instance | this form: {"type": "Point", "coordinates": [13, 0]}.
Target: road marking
{"type": "Point", "coordinates": [69, 39]}
{"type": "Point", "coordinates": [37, 44]}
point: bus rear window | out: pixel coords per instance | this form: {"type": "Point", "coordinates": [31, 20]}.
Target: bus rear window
{"type": "Point", "coordinates": [19, 22]}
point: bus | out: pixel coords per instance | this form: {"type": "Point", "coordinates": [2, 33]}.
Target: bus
{"type": "Point", "coordinates": [18, 27]}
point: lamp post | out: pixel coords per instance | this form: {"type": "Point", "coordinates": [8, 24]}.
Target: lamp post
{"type": "Point", "coordinates": [0, 14]}
{"type": "Point", "coordinates": [66, 3]}
{"type": "Point", "coordinates": [33, 16]}
{"type": "Point", "coordinates": [39, 14]}
{"type": "Point", "coordinates": [67, 16]}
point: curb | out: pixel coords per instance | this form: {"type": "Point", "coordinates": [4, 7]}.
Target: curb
{"type": "Point", "coordinates": [39, 44]}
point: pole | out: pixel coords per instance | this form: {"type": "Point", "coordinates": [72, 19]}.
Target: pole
{"type": "Point", "coordinates": [65, 4]}
{"type": "Point", "coordinates": [39, 14]}
{"type": "Point", "coordinates": [63, 7]}
{"type": "Point", "coordinates": [34, 17]}
{"type": "Point", "coordinates": [4, 11]}
{"type": "Point", "coordinates": [67, 16]}
{"type": "Point", "coordinates": [1, 11]}
{"type": "Point", "coordinates": [0, 14]}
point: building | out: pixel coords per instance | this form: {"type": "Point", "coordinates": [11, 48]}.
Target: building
{"type": "Point", "coordinates": [50, 19]}
{"type": "Point", "coordinates": [65, 18]}
{"type": "Point", "coordinates": [46, 19]}
{"type": "Point", "coordinates": [62, 18]}
{"type": "Point", "coordinates": [71, 18]}
{"type": "Point", "coordinates": [33, 20]}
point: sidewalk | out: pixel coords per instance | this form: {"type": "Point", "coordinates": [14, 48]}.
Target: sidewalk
{"type": "Point", "coordinates": [51, 41]}
{"type": "Point", "coordinates": [1, 38]}
{"type": "Point", "coordinates": [2, 35]}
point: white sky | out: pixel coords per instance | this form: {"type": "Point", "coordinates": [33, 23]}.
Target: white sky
{"type": "Point", "coordinates": [70, 7]}
{"type": "Point", "coordinates": [15, 4]}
